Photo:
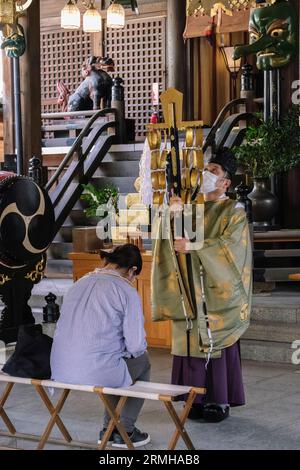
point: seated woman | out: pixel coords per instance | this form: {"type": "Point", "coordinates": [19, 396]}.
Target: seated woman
{"type": "Point", "coordinates": [100, 336]}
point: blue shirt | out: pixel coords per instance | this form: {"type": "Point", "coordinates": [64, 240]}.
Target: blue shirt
{"type": "Point", "coordinates": [101, 323]}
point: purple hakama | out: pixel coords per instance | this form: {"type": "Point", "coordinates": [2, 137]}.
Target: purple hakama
{"type": "Point", "coordinates": [223, 378]}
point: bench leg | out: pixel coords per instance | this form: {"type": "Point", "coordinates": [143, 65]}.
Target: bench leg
{"type": "Point", "coordinates": [55, 419]}
{"type": "Point", "coordinates": [114, 422]}
{"type": "Point", "coordinates": [3, 415]}
{"type": "Point", "coordinates": [180, 422]}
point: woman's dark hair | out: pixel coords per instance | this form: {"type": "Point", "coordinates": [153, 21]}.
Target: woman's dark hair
{"type": "Point", "coordinates": [124, 256]}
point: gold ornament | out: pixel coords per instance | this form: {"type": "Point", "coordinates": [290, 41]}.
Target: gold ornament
{"type": "Point", "coordinates": [211, 7]}
{"type": "Point", "coordinates": [4, 279]}
{"type": "Point", "coordinates": [11, 9]}
{"type": "Point", "coordinates": [37, 273]}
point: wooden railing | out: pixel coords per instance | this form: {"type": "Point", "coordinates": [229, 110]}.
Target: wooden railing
{"type": "Point", "coordinates": [81, 162]}
{"type": "Point", "coordinates": [228, 108]}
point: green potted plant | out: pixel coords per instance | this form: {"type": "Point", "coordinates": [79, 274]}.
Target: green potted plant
{"type": "Point", "coordinates": [95, 198]}
{"type": "Point", "coordinates": [268, 149]}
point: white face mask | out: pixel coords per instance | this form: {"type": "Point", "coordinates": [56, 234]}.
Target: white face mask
{"type": "Point", "coordinates": [209, 182]}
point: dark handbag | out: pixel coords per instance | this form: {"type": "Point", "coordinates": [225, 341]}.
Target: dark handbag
{"type": "Point", "coordinates": [31, 358]}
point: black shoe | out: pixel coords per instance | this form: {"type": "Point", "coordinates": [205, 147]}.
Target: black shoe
{"type": "Point", "coordinates": [137, 438]}
{"type": "Point", "coordinates": [101, 435]}
{"type": "Point", "coordinates": [196, 412]}
{"type": "Point", "coordinates": [215, 413]}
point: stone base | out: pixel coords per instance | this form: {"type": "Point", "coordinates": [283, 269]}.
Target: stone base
{"type": "Point", "coordinates": [266, 351]}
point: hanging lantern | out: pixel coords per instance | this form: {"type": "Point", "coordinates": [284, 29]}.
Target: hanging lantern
{"type": "Point", "coordinates": [7, 12]}
{"type": "Point", "coordinates": [92, 21]}
{"type": "Point", "coordinates": [115, 16]}
{"type": "Point", "coordinates": [233, 66]}
{"type": "Point", "coordinates": [70, 16]}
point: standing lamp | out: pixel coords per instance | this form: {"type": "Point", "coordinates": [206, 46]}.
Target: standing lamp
{"type": "Point", "coordinates": [233, 67]}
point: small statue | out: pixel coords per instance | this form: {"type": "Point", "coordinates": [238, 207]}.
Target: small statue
{"type": "Point", "coordinates": [51, 310]}
{"type": "Point", "coordinates": [96, 86]}
{"type": "Point", "coordinates": [13, 34]}
{"type": "Point", "coordinates": [14, 42]}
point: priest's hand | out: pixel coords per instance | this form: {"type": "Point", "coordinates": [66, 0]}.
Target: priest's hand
{"type": "Point", "coordinates": [182, 245]}
{"type": "Point", "coordinates": [176, 204]}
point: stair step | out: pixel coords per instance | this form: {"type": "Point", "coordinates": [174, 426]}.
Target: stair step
{"type": "Point", "coordinates": [284, 253]}
{"type": "Point", "coordinates": [59, 250]}
{"type": "Point", "coordinates": [122, 157]}
{"type": "Point", "coordinates": [70, 125]}
{"type": "Point", "coordinates": [65, 234]}
{"type": "Point", "coordinates": [286, 315]}
{"type": "Point", "coordinates": [266, 351]}
{"type": "Point", "coordinates": [121, 170]}
{"type": "Point", "coordinates": [274, 274]}
{"type": "Point", "coordinates": [58, 142]}
{"type": "Point", "coordinates": [59, 269]}
{"type": "Point", "coordinates": [270, 331]}
{"type": "Point", "coordinates": [133, 147]}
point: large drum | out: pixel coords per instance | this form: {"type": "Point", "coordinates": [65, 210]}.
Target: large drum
{"type": "Point", "coordinates": [26, 221]}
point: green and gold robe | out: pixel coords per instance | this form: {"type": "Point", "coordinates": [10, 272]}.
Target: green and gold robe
{"type": "Point", "coordinates": [226, 257]}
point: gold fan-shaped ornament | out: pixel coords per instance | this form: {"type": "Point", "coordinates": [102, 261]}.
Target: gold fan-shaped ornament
{"type": "Point", "coordinates": [211, 7]}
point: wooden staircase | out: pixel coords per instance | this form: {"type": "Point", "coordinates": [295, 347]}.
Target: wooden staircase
{"type": "Point", "coordinates": [274, 326]}
{"type": "Point", "coordinates": [90, 140]}
{"type": "Point", "coordinates": [120, 167]}
{"type": "Point", "coordinates": [230, 126]}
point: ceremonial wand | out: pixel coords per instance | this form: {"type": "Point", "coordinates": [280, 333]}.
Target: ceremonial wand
{"type": "Point", "coordinates": [174, 182]}
{"type": "Point", "coordinates": [172, 101]}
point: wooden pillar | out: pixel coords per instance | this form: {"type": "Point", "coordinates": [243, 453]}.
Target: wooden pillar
{"type": "Point", "coordinates": [30, 72]}
{"type": "Point", "coordinates": [290, 73]}
{"type": "Point", "coordinates": [176, 15]}
{"type": "Point", "coordinates": [291, 195]}
{"type": "Point", "coordinates": [189, 81]}
{"type": "Point", "coordinates": [8, 106]}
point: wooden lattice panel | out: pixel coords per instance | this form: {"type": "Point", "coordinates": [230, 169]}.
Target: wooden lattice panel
{"type": "Point", "coordinates": [62, 55]}
{"type": "Point", "coordinates": [138, 51]}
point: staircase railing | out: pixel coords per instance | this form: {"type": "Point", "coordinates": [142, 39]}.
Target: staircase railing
{"type": "Point", "coordinates": [77, 145]}
{"type": "Point", "coordinates": [210, 139]}
{"type": "Point", "coordinates": [80, 163]}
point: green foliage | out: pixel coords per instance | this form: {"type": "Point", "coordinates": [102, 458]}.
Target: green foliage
{"type": "Point", "coordinates": [271, 148]}
{"type": "Point", "coordinates": [108, 195]}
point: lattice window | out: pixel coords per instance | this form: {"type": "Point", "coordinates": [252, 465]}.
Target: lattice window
{"type": "Point", "coordinates": [62, 55]}
{"type": "Point", "coordinates": [139, 55]}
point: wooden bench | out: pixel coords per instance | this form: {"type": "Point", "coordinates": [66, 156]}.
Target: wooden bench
{"type": "Point", "coordinates": [147, 390]}
{"type": "Point", "coordinates": [294, 277]}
